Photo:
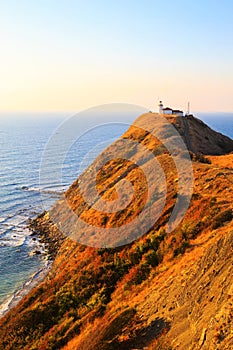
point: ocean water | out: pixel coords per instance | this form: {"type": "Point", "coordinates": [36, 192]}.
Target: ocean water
{"type": "Point", "coordinates": [22, 143]}
{"type": "Point", "coordinates": [222, 122]}
{"type": "Point", "coordinates": [21, 146]}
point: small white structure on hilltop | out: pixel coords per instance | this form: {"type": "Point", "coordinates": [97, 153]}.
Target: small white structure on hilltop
{"type": "Point", "coordinates": [169, 111]}
{"type": "Point", "coordinates": [160, 107]}
{"type": "Point", "coordinates": [178, 112]}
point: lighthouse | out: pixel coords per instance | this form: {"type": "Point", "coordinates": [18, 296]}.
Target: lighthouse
{"type": "Point", "coordinates": [160, 107]}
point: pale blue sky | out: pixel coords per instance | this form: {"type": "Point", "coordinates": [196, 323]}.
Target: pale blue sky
{"type": "Point", "coordinates": [66, 55]}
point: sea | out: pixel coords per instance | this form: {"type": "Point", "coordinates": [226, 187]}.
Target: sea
{"type": "Point", "coordinates": [23, 141]}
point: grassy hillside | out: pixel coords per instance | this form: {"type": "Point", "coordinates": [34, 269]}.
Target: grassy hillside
{"type": "Point", "coordinates": [162, 291]}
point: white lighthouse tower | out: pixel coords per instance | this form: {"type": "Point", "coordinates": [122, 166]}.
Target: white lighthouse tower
{"type": "Point", "coordinates": [160, 107]}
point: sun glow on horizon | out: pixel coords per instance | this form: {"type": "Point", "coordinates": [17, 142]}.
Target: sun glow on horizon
{"type": "Point", "coordinates": [68, 56]}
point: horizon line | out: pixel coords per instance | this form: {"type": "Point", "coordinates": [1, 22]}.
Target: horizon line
{"type": "Point", "coordinates": [81, 110]}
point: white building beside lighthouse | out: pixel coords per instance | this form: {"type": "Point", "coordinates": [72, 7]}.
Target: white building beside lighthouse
{"type": "Point", "coordinates": [167, 110]}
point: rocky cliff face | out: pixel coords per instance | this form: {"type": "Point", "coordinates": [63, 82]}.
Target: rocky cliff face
{"type": "Point", "coordinates": [165, 290]}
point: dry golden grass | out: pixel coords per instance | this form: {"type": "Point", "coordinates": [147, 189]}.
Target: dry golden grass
{"type": "Point", "coordinates": [159, 292]}
{"type": "Point", "coordinates": [225, 161]}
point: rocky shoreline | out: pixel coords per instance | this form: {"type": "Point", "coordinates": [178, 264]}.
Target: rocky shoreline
{"type": "Point", "coordinates": [47, 234]}
{"type": "Point", "coordinates": [20, 293]}
{"type": "Point", "coordinates": [49, 237]}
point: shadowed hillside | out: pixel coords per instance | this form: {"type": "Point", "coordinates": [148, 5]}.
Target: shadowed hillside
{"type": "Point", "coordinates": [200, 138]}
{"type": "Point", "coordinates": [164, 290]}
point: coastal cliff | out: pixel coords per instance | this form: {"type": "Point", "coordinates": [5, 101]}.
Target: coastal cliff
{"type": "Point", "coordinates": [164, 290]}
{"type": "Point", "coordinates": [200, 138]}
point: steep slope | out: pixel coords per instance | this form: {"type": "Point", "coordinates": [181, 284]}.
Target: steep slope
{"type": "Point", "coordinates": [163, 290]}
{"type": "Point", "coordinates": [200, 138]}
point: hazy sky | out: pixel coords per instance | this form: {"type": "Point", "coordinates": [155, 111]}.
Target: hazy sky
{"type": "Point", "coordinates": [66, 55]}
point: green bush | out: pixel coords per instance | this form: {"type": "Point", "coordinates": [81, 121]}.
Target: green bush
{"type": "Point", "coordinates": [143, 273]}
{"type": "Point", "coordinates": [221, 218]}
{"type": "Point", "coordinates": [181, 250]}
{"type": "Point", "coordinates": [200, 158]}
{"type": "Point", "coordinates": [152, 258]}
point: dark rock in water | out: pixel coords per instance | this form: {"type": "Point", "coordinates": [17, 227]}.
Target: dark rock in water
{"type": "Point", "coordinates": [33, 233]}
{"type": "Point", "coordinates": [36, 252]}
{"type": "Point", "coordinates": [24, 188]}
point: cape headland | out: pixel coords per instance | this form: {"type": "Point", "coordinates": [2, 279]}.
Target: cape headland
{"type": "Point", "coordinates": [164, 290]}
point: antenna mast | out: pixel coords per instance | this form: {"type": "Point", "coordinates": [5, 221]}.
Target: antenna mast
{"type": "Point", "coordinates": [188, 110]}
